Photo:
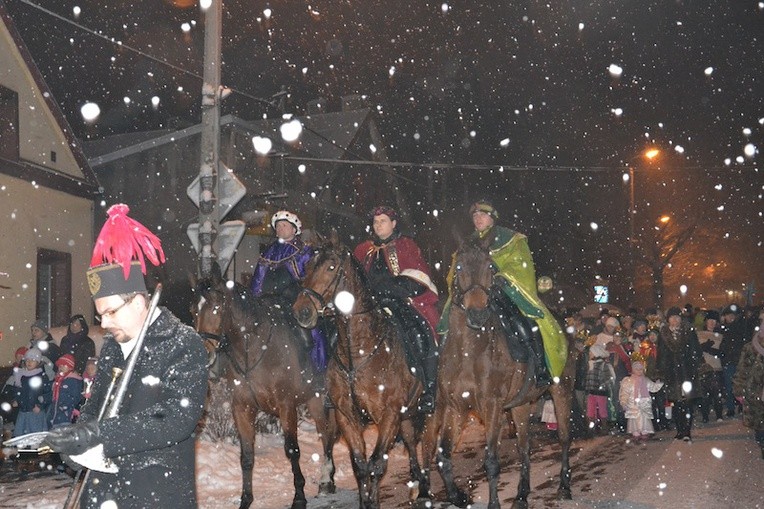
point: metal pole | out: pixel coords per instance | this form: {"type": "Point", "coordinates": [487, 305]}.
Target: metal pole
{"type": "Point", "coordinates": [210, 145]}
{"type": "Point", "coordinates": [632, 240]}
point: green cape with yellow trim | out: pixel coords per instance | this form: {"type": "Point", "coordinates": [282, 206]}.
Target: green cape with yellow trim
{"type": "Point", "coordinates": [512, 257]}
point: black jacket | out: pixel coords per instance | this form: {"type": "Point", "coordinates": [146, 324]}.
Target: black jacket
{"type": "Point", "coordinates": [152, 440]}
{"type": "Point", "coordinates": [733, 339]}
{"type": "Point", "coordinates": [679, 357]}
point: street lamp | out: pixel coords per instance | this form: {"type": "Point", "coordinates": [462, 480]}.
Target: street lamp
{"type": "Point", "coordinates": [649, 154]}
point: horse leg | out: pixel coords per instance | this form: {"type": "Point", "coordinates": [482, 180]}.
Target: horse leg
{"type": "Point", "coordinates": [410, 440]}
{"type": "Point", "coordinates": [453, 422]}
{"type": "Point", "coordinates": [244, 418]}
{"type": "Point", "coordinates": [327, 430]}
{"type": "Point", "coordinates": [387, 428]}
{"type": "Point", "coordinates": [288, 416]}
{"type": "Point", "coordinates": [521, 416]}
{"type": "Point", "coordinates": [562, 396]}
{"type": "Point", "coordinates": [352, 432]}
{"type": "Point", "coordinates": [493, 420]}
{"type": "Point", "coordinates": [429, 442]}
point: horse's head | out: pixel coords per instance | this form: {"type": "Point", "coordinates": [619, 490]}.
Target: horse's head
{"type": "Point", "coordinates": [473, 278]}
{"type": "Point", "coordinates": [325, 277]}
{"type": "Point", "coordinates": [208, 314]}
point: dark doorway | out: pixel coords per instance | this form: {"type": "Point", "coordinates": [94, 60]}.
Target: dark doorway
{"type": "Point", "coordinates": [54, 288]}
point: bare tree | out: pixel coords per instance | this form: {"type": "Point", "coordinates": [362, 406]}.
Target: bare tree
{"type": "Point", "coordinates": [656, 247]}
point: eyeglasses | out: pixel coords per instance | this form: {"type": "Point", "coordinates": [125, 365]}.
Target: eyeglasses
{"type": "Point", "coordinates": [110, 314]}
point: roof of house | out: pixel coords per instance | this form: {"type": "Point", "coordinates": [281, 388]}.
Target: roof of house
{"type": "Point", "coordinates": [87, 186]}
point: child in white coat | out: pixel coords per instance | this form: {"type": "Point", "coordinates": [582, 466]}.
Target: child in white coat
{"type": "Point", "coordinates": [635, 399]}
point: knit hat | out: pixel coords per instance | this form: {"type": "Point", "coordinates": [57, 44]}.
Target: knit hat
{"type": "Point", "coordinates": [732, 309]}
{"type": "Point", "coordinates": [637, 323]}
{"type": "Point", "coordinates": [40, 324]}
{"type": "Point", "coordinates": [712, 315]}
{"type": "Point", "coordinates": [65, 360]}
{"type": "Point", "coordinates": [613, 322]}
{"type": "Point", "coordinates": [484, 206]}
{"type": "Point", "coordinates": [119, 256]}
{"type": "Point", "coordinates": [33, 354]}
{"type": "Point", "coordinates": [21, 350]}
{"type": "Point", "coordinates": [674, 311]}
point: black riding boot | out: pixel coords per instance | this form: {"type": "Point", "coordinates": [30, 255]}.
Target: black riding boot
{"type": "Point", "coordinates": [530, 335]}
{"type": "Point", "coordinates": [427, 398]}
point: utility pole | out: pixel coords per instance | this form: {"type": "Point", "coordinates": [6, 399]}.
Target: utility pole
{"type": "Point", "coordinates": [209, 218]}
{"type": "Point", "coordinates": [216, 190]}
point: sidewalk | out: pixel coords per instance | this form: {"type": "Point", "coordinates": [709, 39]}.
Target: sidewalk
{"type": "Point", "coordinates": [722, 467]}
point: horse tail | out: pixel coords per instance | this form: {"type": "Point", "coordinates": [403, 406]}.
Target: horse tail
{"type": "Point", "coordinates": [530, 378]}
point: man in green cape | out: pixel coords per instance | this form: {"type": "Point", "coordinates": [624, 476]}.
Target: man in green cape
{"type": "Point", "coordinates": [534, 325]}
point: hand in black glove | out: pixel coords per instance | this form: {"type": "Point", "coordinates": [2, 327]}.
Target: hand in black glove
{"type": "Point", "coordinates": [73, 440]}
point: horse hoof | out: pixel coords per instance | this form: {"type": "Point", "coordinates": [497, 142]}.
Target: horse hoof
{"type": "Point", "coordinates": [299, 504]}
{"type": "Point", "coordinates": [327, 488]}
{"type": "Point", "coordinates": [460, 499]}
{"type": "Point", "coordinates": [520, 504]}
{"type": "Point", "coordinates": [564, 494]}
{"type": "Point", "coordinates": [422, 503]}
{"type": "Point", "coordinates": [246, 501]}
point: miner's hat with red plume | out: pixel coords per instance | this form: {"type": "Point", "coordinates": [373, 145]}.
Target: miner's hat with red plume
{"type": "Point", "coordinates": [119, 256]}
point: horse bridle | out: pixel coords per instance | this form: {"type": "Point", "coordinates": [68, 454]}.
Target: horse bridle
{"type": "Point", "coordinates": [326, 308]}
{"type": "Point", "coordinates": [459, 294]}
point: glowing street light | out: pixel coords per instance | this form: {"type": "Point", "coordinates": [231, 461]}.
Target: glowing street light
{"type": "Point", "coordinates": [649, 154]}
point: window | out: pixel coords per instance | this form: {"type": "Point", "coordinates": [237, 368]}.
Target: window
{"type": "Point", "coordinates": [9, 124]}
{"type": "Point", "coordinates": [54, 289]}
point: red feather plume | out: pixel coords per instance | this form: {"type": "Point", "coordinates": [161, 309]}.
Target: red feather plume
{"type": "Point", "coordinates": [123, 239]}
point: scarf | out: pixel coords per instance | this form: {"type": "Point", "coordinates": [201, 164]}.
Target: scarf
{"type": "Point", "coordinates": [59, 380]}
{"type": "Point", "coordinates": [20, 373]}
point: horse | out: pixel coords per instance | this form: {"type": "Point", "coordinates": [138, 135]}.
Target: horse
{"type": "Point", "coordinates": [368, 379]}
{"type": "Point", "coordinates": [265, 355]}
{"type": "Point", "coordinates": [478, 375]}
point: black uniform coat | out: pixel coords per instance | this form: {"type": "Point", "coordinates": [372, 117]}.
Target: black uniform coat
{"type": "Point", "coordinates": [152, 440]}
{"type": "Point", "coordinates": [679, 357]}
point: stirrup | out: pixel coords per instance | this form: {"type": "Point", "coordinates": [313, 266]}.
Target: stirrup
{"type": "Point", "coordinates": [426, 403]}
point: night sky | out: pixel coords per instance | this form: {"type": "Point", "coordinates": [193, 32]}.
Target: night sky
{"type": "Point", "coordinates": [586, 85]}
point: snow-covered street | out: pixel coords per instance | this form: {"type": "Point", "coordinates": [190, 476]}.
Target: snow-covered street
{"type": "Point", "coordinates": [721, 468]}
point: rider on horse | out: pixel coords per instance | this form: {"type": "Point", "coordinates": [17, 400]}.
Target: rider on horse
{"type": "Point", "coordinates": [400, 278]}
{"type": "Point", "coordinates": [281, 268]}
{"type": "Point", "coordinates": [515, 290]}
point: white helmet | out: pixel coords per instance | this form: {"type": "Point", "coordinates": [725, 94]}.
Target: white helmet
{"type": "Point", "coordinates": [285, 215]}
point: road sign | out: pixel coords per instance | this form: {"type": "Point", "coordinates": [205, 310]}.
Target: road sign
{"type": "Point", "coordinates": [230, 190]}
{"type": "Point", "coordinates": [227, 240]}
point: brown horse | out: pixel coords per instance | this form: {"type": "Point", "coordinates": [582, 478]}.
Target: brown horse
{"type": "Point", "coordinates": [367, 379]}
{"type": "Point", "coordinates": [267, 365]}
{"type": "Point", "coordinates": [478, 375]}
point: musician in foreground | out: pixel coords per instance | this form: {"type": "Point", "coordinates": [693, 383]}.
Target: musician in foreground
{"type": "Point", "coordinates": [151, 440]}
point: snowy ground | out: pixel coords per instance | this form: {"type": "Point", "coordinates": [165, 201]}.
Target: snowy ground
{"type": "Point", "coordinates": [721, 468]}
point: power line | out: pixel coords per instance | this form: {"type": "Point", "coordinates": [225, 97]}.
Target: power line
{"type": "Point", "coordinates": [512, 168]}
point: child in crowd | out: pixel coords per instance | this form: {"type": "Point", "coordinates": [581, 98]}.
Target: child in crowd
{"type": "Point", "coordinates": [67, 393]}
{"type": "Point", "coordinates": [32, 395]}
{"type": "Point", "coordinates": [599, 381]}
{"type": "Point", "coordinates": [88, 377]}
{"type": "Point", "coordinates": [636, 402]}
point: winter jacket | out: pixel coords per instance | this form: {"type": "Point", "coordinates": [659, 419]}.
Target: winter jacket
{"type": "Point", "coordinates": [679, 357]}
{"type": "Point", "coordinates": [733, 339]}
{"type": "Point", "coordinates": [152, 438]}
{"type": "Point", "coordinates": [67, 394]}
{"type": "Point", "coordinates": [32, 389]}
{"type": "Point", "coordinates": [80, 346]}
{"type": "Point", "coordinates": [749, 384]}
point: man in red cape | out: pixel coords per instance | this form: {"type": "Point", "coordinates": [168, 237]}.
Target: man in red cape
{"type": "Point", "coordinates": [399, 275]}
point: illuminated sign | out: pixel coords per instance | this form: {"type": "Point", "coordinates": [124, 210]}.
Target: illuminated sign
{"type": "Point", "coordinates": [600, 294]}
